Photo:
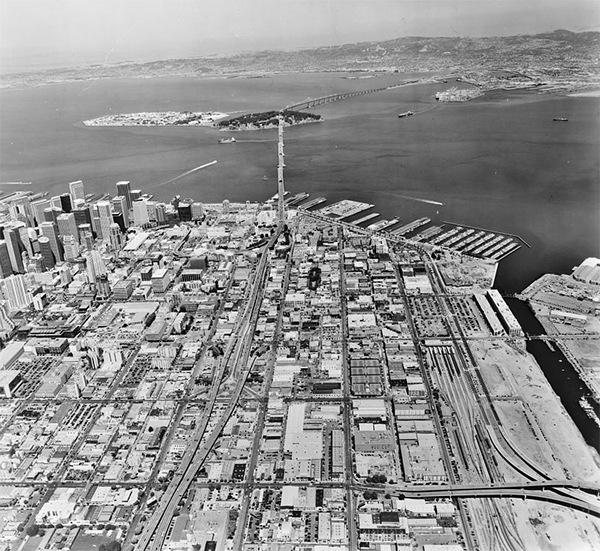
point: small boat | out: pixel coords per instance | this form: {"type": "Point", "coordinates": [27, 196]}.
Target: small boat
{"type": "Point", "coordinates": [265, 178]}
{"type": "Point", "coordinates": [227, 140]}
{"type": "Point", "coordinates": [560, 119]}
{"type": "Point", "coordinates": [407, 114]}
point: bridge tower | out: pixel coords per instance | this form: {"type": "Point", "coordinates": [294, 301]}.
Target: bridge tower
{"type": "Point", "coordinates": [280, 185]}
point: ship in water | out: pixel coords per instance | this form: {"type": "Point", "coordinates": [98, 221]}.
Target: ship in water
{"type": "Point", "coordinates": [560, 119]}
{"type": "Point", "coordinates": [589, 409]}
{"type": "Point", "coordinates": [406, 114]}
{"type": "Point", "coordinates": [227, 140]}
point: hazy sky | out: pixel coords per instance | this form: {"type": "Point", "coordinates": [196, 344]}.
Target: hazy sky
{"type": "Point", "coordinates": [65, 32]}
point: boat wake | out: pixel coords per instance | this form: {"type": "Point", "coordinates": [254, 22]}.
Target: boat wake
{"type": "Point", "coordinates": [186, 173]}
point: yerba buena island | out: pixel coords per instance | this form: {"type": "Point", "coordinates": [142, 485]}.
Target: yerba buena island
{"type": "Point", "coordinates": [292, 371]}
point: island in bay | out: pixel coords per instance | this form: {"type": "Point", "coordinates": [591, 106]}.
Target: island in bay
{"type": "Point", "coordinates": [250, 121]}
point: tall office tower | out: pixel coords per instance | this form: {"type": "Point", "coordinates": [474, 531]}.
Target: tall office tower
{"type": "Point", "coordinates": [38, 208]}
{"type": "Point", "coordinates": [25, 259]}
{"type": "Point", "coordinates": [124, 190]}
{"type": "Point", "coordinates": [67, 226]}
{"type": "Point", "coordinates": [136, 194]}
{"type": "Point", "coordinates": [184, 210]}
{"type": "Point", "coordinates": [106, 219]}
{"type": "Point", "coordinates": [118, 219]}
{"type": "Point", "coordinates": [15, 248]}
{"type": "Point", "coordinates": [5, 264]}
{"type": "Point", "coordinates": [14, 288]}
{"type": "Point", "coordinates": [197, 211]}
{"type": "Point", "coordinates": [115, 237]}
{"type": "Point", "coordinates": [86, 238]}
{"type": "Point", "coordinates": [95, 266]}
{"type": "Point", "coordinates": [55, 202]}
{"type": "Point", "coordinates": [120, 205]}
{"type": "Point", "coordinates": [95, 214]}
{"type": "Point", "coordinates": [226, 206]}
{"type": "Point", "coordinates": [24, 234]}
{"type": "Point", "coordinates": [161, 213]}
{"type": "Point", "coordinates": [76, 189]}
{"type": "Point", "coordinates": [20, 210]}
{"type": "Point", "coordinates": [71, 246]}
{"type": "Point", "coordinates": [82, 215]}
{"type": "Point", "coordinates": [48, 258]}
{"type": "Point", "coordinates": [51, 214]}
{"type": "Point", "coordinates": [50, 231]}
{"type": "Point", "coordinates": [140, 213]}
{"type": "Point", "coordinates": [103, 286]}
{"type": "Point", "coordinates": [151, 206]}
{"type": "Point", "coordinates": [36, 264]}
{"type": "Point", "coordinates": [65, 202]}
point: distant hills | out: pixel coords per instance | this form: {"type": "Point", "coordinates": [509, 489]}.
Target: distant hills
{"type": "Point", "coordinates": [561, 51]}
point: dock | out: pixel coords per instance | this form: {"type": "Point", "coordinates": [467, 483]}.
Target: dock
{"type": "Point", "coordinates": [366, 218]}
{"type": "Point", "coordinates": [412, 226]}
{"type": "Point", "coordinates": [345, 209]}
{"type": "Point", "coordinates": [296, 198]}
{"type": "Point", "coordinates": [312, 203]}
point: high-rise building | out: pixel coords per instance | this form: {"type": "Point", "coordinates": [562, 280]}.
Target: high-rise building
{"type": "Point", "coordinates": [115, 237]}
{"type": "Point", "coordinates": [124, 190]}
{"type": "Point", "coordinates": [197, 211]}
{"type": "Point", "coordinates": [6, 324]}
{"type": "Point", "coordinates": [86, 238]}
{"type": "Point", "coordinates": [48, 258]}
{"type": "Point", "coordinates": [20, 210]}
{"type": "Point", "coordinates": [38, 207]}
{"type": "Point", "coordinates": [67, 225]}
{"type": "Point", "coordinates": [184, 210]}
{"type": "Point", "coordinates": [76, 189]}
{"type": "Point", "coordinates": [24, 234]}
{"type": "Point", "coordinates": [50, 230]}
{"type": "Point", "coordinates": [55, 202]}
{"type": "Point", "coordinates": [120, 205]}
{"type": "Point", "coordinates": [5, 264]}
{"type": "Point", "coordinates": [65, 202]}
{"type": "Point", "coordinates": [51, 214]}
{"type": "Point", "coordinates": [161, 213]}
{"type": "Point", "coordinates": [151, 206]}
{"type": "Point", "coordinates": [14, 288]}
{"type": "Point", "coordinates": [95, 266]}
{"type": "Point", "coordinates": [118, 219]}
{"type": "Point", "coordinates": [15, 248]}
{"type": "Point", "coordinates": [106, 219]}
{"type": "Point", "coordinates": [136, 194]}
{"type": "Point", "coordinates": [71, 246]}
{"type": "Point", "coordinates": [140, 213]}
{"type": "Point", "coordinates": [82, 215]}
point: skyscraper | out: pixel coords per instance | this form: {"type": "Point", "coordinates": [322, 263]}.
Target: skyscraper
{"type": "Point", "coordinates": [14, 288]}
{"type": "Point", "coordinates": [76, 189]}
{"type": "Point", "coordinates": [140, 213]}
{"type": "Point", "coordinates": [86, 239]}
{"type": "Point", "coordinates": [38, 208]}
{"type": "Point", "coordinates": [5, 264]}
{"type": "Point", "coordinates": [120, 205]}
{"type": "Point", "coordinates": [51, 214]}
{"type": "Point", "coordinates": [48, 258]}
{"type": "Point", "coordinates": [106, 219]}
{"type": "Point", "coordinates": [82, 215]}
{"type": "Point", "coordinates": [15, 248]}
{"type": "Point", "coordinates": [115, 237]}
{"type": "Point", "coordinates": [65, 202]}
{"type": "Point", "coordinates": [71, 246]}
{"type": "Point", "coordinates": [50, 231]}
{"type": "Point", "coordinates": [124, 190]}
{"type": "Point", "coordinates": [67, 225]}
